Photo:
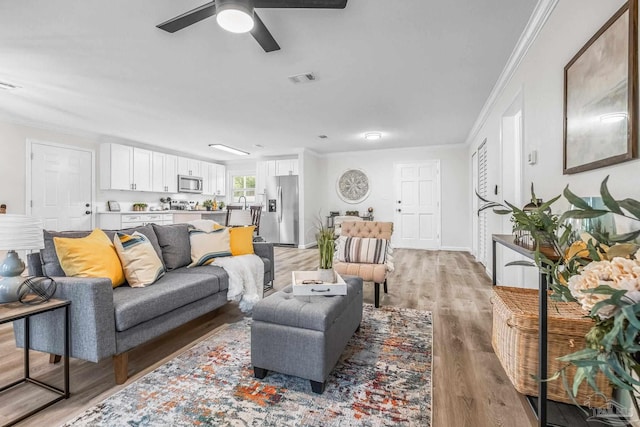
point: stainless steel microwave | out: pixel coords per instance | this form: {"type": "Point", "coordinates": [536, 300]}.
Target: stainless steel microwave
{"type": "Point", "coordinates": [189, 184]}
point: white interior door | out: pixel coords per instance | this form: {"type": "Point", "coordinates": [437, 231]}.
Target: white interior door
{"type": "Point", "coordinates": [61, 188]}
{"type": "Point", "coordinates": [417, 216]}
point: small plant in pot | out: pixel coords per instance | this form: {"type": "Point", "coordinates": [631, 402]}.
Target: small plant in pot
{"type": "Point", "coordinates": [326, 246]}
{"type": "Point", "coordinates": [208, 204]}
{"type": "Point", "coordinates": [140, 206]}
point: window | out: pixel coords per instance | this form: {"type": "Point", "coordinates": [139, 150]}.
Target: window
{"type": "Point", "coordinates": [244, 185]}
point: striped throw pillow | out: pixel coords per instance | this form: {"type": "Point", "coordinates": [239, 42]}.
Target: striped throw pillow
{"type": "Point", "coordinates": [362, 250]}
{"type": "Point", "coordinates": [208, 245]}
{"type": "Point", "coordinates": [140, 261]}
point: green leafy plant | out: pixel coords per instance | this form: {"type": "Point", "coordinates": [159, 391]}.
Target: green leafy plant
{"type": "Point", "coordinates": [325, 237]}
{"type": "Point", "coordinates": [602, 273]}
{"type": "Point", "coordinates": [208, 203]}
{"type": "Point", "coordinates": [139, 206]}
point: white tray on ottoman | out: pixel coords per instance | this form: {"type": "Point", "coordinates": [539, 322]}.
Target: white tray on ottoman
{"type": "Point", "coordinates": [314, 289]}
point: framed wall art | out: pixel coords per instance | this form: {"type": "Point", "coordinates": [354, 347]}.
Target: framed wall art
{"type": "Point", "coordinates": [353, 186]}
{"type": "Point", "coordinates": [600, 96]}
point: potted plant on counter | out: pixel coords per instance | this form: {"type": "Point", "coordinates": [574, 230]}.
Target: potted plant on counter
{"type": "Point", "coordinates": [140, 207]}
{"type": "Point", "coordinates": [208, 204]}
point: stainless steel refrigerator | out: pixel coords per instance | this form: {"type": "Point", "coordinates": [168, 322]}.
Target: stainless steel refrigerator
{"type": "Point", "coordinates": [279, 222]}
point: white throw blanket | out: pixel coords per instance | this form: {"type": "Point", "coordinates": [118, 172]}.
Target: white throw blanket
{"type": "Point", "coordinates": [246, 276]}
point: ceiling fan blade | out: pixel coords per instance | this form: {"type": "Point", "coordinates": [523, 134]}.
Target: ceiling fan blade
{"type": "Point", "coordinates": [302, 4]}
{"type": "Point", "coordinates": [263, 36]}
{"type": "Point", "coordinates": [189, 18]}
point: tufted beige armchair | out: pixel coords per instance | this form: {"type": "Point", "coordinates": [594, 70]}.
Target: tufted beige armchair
{"type": "Point", "coordinates": [376, 273]}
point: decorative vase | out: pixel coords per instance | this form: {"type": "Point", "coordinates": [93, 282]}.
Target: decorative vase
{"type": "Point", "coordinates": [327, 275]}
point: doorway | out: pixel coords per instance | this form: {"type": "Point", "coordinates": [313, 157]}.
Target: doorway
{"type": "Point", "coordinates": [511, 176]}
{"type": "Point", "coordinates": [417, 207]}
{"type": "Point", "coordinates": [60, 189]}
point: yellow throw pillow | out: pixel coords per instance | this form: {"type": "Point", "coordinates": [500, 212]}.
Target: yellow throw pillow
{"type": "Point", "coordinates": [207, 246]}
{"type": "Point", "coordinates": [140, 261]}
{"type": "Point", "coordinates": [91, 256]}
{"type": "Point", "coordinates": [242, 240]}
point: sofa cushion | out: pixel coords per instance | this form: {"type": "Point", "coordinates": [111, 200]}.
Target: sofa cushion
{"type": "Point", "coordinates": [207, 270]}
{"type": "Point", "coordinates": [91, 256]}
{"type": "Point", "coordinates": [141, 264]}
{"type": "Point", "coordinates": [361, 250]}
{"type": "Point", "coordinates": [51, 264]}
{"type": "Point", "coordinates": [175, 289]}
{"type": "Point", "coordinates": [206, 246]}
{"type": "Point", "coordinates": [241, 239]}
{"type": "Point", "coordinates": [174, 241]}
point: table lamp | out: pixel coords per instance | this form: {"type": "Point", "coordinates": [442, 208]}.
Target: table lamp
{"type": "Point", "coordinates": [17, 232]}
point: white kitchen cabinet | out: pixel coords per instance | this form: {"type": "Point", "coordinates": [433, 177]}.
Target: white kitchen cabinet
{"type": "Point", "coordinates": [271, 167]}
{"type": "Point", "coordinates": [171, 173]}
{"type": "Point", "coordinates": [125, 168]}
{"type": "Point", "coordinates": [191, 167]}
{"type": "Point", "coordinates": [142, 169]}
{"type": "Point", "coordinates": [208, 178]}
{"type": "Point", "coordinates": [221, 180]}
{"type": "Point", "coordinates": [286, 167]}
{"type": "Point", "coordinates": [116, 221]}
{"type": "Point", "coordinates": [261, 179]}
{"type": "Point", "coordinates": [164, 173]}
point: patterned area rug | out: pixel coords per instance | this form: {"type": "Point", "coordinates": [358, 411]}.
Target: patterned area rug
{"type": "Point", "coordinates": [382, 379]}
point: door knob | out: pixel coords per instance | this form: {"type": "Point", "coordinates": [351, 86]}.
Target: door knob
{"type": "Point", "coordinates": [87, 212]}
{"type": "Point", "coordinates": [399, 201]}
{"type": "Point", "coordinates": [87, 205]}
{"type": "Point", "coordinates": [399, 210]}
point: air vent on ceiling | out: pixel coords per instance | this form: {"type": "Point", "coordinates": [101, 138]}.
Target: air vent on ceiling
{"type": "Point", "coordinates": [303, 78]}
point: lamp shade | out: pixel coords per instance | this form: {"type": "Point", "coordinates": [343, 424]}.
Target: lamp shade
{"type": "Point", "coordinates": [20, 232]}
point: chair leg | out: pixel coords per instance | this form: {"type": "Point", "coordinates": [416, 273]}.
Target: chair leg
{"type": "Point", "coordinates": [377, 294]}
{"type": "Point", "coordinates": [385, 285]}
{"type": "Point", "coordinates": [54, 358]}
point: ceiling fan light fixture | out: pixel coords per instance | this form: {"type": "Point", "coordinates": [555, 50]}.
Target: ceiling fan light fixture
{"type": "Point", "coordinates": [235, 16]}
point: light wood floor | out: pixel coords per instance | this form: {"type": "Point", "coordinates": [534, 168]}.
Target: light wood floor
{"type": "Point", "coordinates": [470, 387]}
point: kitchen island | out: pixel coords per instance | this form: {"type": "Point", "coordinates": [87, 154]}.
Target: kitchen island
{"type": "Point", "coordinates": [129, 219]}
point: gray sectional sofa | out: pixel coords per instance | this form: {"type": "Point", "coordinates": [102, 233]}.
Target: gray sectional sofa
{"type": "Point", "coordinates": [109, 322]}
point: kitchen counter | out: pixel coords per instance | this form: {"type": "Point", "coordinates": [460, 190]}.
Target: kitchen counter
{"type": "Point", "coordinates": [174, 211]}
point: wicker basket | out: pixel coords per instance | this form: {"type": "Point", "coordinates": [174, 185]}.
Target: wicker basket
{"type": "Point", "coordinates": [515, 341]}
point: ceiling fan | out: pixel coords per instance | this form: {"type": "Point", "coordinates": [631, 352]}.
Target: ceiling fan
{"type": "Point", "coordinates": [238, 16]}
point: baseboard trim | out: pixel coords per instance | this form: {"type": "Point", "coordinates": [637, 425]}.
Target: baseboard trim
{"type": "Point", "coordinates": [455, 248]}
{"type": "Point", "coordinates": [308, 245]}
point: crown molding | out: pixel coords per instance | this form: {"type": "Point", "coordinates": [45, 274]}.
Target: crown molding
{"type": "Point", "coordinates": [538, 18]}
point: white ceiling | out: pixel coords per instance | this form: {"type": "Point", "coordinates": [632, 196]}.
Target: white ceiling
{"type": "Point", "coordinates": [419, 71]}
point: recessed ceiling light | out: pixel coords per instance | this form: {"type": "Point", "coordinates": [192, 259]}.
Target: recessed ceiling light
{"type": "Point", "coordinates": [372, 136]}
{"type": "Point", "coordinates": [323, 136]}
{"type": "Point", "coordinates": [258, 145]}
{"type": "Point", "coordinates": [8, 86]}
{"type": "Point", "coordinates": [229, 149]}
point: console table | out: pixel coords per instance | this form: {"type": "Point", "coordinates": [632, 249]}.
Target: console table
{"type": "Point", "coordinates": [17, 311]}
{"type": "Point", "coordinates": [569, 415]}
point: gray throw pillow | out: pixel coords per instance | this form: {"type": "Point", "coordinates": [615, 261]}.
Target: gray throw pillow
{"type": "Point", "coordinates": [174, 241]}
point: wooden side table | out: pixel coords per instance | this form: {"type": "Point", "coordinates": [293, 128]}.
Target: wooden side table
{"type": "Point", "coordinates": [16, 311]}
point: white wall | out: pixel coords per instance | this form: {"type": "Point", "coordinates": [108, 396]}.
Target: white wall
{"type": "Point", "coordinates": [313, 206]}
{"type": "Point", "coordinates": [540, 79]}
{"type": "Point", "coordinates": [13, 143]}
{"type": "Point", "coordinates": [379, 167]}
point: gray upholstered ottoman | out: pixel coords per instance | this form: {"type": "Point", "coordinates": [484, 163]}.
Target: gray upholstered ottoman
{"type": "Point", "coordinates": [304, 336]}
